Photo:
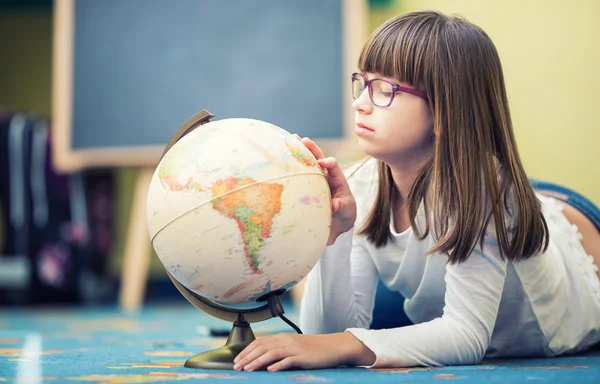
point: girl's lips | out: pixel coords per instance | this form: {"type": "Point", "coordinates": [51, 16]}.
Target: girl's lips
{"type": "Point", "coordinates": [362, 129]}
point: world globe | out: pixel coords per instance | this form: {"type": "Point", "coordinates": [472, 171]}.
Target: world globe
{"type": "Point", "coordinates": [238, 212]}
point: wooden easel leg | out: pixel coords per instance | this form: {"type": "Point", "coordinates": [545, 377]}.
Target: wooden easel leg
{"type": "Point", "coordinates": [136, 259]}
{"type": "Point", "coordinates": [297, 292]}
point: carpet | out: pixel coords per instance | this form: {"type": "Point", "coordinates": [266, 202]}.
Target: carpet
{"type": "Point", "coordinates": [104, 345]}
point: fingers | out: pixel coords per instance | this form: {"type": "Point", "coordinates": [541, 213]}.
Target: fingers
{"type": "Point", "coordinates": [311, 145]}
{"type": "Point", "coordinates": [265, 351]}
{"type": "Point", "coordinates": [265, 359]}
{"type": "Point", "coordinates": [247, 355]}
{"type": "Point", "coordinates": [287, 363]}
{"type": "Point", "coordinates": [335, 176]}
{"type": "Point", "coordinates": [335, 205]}
{"type": "Point", "coordinates": [259, 353]}
{"type": "Point", "coordinates": [240, 359]}
{"type": "Point", "coordinates": [328, 162]}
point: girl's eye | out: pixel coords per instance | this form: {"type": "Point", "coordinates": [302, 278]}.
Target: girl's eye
{"type": "Point", "coordinates": [382, 88]}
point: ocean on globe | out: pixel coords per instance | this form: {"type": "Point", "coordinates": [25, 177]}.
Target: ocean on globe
{"type": "Point", "coordinates": [238, 208]}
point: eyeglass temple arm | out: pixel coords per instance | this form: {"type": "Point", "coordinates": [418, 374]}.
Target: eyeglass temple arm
{"type": "Point", "coordinates": [412, 91]}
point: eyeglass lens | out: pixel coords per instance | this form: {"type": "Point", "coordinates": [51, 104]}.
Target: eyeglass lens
{"type": "Point", "coordinates": [380, 91]}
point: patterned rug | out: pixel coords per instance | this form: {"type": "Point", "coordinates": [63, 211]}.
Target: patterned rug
{"type": "Point", "coordinates": [103, 345]}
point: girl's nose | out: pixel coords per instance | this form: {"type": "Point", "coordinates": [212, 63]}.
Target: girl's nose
{"type": "Point", "coordinates": [363, 103]}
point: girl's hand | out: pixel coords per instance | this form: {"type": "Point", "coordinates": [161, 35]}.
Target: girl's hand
{"type": "Point", "coordinates": [288, 350]}
{"type": "Point", "coordinates": [343, 204]}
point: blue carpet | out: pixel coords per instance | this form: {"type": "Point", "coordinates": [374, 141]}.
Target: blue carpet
{"type": "Point", "coordinates": [103, 345]}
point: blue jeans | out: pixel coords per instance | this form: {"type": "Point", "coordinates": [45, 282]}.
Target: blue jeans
{"type": "Point", "coordinates": [389, 310]}
{"type": "Point", "coordinates": [570, 197]}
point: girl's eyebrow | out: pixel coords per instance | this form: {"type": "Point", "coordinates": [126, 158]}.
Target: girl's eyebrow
{"type": "Point", "coordinates": [376, 76]}
{"type": "Point", "coordinates": [379, 76]}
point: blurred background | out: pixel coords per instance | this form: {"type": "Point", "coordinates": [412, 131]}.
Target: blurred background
{"type": "Point", "coordinates": [63, 232]}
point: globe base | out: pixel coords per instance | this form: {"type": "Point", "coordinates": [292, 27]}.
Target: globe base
{"type": "Point", "coordinates": [240, 337]}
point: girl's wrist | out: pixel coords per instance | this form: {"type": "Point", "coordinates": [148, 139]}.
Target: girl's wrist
{"type": "Point", "coordinates": [355, 352]}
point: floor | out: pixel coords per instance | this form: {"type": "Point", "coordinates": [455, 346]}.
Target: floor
{"type": "Point", "coordinates": [103, 345]}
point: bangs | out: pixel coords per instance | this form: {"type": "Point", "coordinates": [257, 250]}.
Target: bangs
{"type": "Point", "coordinates": [400, 49]}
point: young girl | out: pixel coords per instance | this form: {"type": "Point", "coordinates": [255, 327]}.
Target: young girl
{"type": "Point", "coordinates": [444, 213]}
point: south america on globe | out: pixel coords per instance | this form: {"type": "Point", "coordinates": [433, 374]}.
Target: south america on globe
{"type": "Point", "coordinates": [238, 208]}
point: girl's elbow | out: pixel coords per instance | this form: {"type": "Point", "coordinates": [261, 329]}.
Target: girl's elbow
{"type": "Point", "coordinates": [474, 349]}
{"type": "Point", "coordinates": [471, 344]}
{"type": "Point", "coordinates": [475, 357]}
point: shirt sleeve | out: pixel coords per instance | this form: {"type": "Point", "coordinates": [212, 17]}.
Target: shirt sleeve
{"type": "Point", "coordinates": [340, 290]}
{"type": "Point", "coordinates": [463, 332]}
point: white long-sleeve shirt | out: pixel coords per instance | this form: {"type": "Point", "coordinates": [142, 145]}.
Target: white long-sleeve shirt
{"type": "Point", "coordinates": [544, 306]}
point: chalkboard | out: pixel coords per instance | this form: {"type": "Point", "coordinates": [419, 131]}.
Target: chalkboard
{"type": "Point", "coordinates": [128, 73]}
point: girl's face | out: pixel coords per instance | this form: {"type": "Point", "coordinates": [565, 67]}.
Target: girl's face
{"type": "Point", "coordinates": [400, 134]}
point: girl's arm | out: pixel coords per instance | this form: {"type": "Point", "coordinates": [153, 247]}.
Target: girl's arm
{"type": "Point", "coordinates": [463, 333]}
{"type": "Point", "coordinates": [339, 293]}
{"type": "Point", "coordinates": [460, 336]}
{"type": "Point", "coordinates": [340, 290]}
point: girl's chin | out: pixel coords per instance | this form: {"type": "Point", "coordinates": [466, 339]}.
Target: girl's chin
{"type": "Point", "coordinates": [389, 155]}
{"type": "Point", "coordinates": [370, 149]}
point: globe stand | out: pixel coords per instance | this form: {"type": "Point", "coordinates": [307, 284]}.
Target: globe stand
{"type": "Point", "coordinates": [240, 337]}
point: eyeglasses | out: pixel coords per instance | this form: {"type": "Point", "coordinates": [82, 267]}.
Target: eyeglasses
{"type": "Point", "coordinates": [381, 91]}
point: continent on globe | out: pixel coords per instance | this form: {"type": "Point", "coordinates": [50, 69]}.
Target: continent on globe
{"type": "Point", "coordinates": [302, 155]}
{"type": "Point", "coordinates": [253, 206]}
{"type": "Point", "coordinates": [172, 174]}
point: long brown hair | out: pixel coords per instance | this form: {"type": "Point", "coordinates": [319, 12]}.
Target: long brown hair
{"type": "Point", "coordinates": [475, 173]}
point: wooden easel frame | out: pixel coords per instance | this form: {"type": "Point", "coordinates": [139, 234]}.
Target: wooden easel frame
{"type": "Point", "coordinates": [68, 159]}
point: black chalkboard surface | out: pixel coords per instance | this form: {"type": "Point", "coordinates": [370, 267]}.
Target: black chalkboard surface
{"type": "Point", "coordinates": [128, 73]}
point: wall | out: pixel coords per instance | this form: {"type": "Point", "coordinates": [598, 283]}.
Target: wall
{"type": "Point", "coordinates": [26, 50]}
{"type": "Point", "coordinates": [550, 52]}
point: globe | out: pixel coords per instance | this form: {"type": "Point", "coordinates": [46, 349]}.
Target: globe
{"type": "Point", "coordinates": [237, 209]}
